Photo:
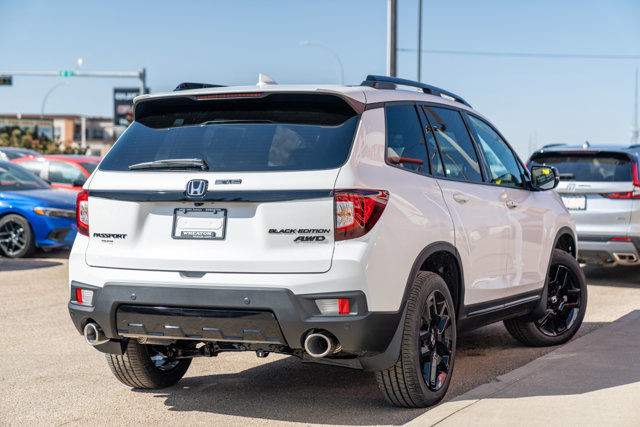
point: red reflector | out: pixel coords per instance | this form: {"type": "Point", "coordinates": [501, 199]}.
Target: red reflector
{"type": "Point", "coordinates": [230, 95]}
{"type": "Point", "coordinates": [79, 295]}
{"type": "Point", "coordinates": [620, 239]}
{"type": "Point", "coordinates": [343, 306]}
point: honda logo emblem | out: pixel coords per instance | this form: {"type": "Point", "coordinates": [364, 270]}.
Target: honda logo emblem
{"type": "Point", "coordinates": [197, 187]}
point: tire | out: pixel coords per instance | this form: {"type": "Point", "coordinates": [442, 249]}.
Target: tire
{"type": "Point", "coordinates": [566, 306]}
{"type": "Point", "coordinates": [16, 237]}
{"type": "Point", "coordinates": [136, 369]}
{"type": "Point", "coordinates": [404, 384]}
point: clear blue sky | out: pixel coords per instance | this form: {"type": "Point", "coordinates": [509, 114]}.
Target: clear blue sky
{"type": "Point", "coordinates": [230, 42]}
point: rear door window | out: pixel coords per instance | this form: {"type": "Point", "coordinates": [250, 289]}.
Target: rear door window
{"type": "Point", "coordinates": [64, 173]}
{"type": "Point", "coordinates": [588, 166]}
{"type": "Point", "coordinates": [277, 132]}
{"type": "Point", "coordinates": [458, 154]}
{"type": "Point", "coordinates": [405, 140]}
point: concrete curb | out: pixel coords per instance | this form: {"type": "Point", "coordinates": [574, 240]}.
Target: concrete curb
{"type": "Point", "coordinates": [510, 379]}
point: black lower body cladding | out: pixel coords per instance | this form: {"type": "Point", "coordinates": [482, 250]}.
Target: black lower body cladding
{"type": "Point", "coordinates": [233, 314]}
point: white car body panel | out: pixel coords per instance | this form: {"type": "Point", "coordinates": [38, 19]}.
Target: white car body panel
{"type": "Point", "coordinates": [504, 252]}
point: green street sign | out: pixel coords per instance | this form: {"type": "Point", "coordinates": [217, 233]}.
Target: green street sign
{"type": "Point", "coordinates": [66, 73]}
{"type": "Point", "coordinates": [6, 80]}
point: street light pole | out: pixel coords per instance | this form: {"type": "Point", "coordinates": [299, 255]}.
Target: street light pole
{"type": "Point", "coordinates": [332, 52]}
{"type": "Point", "coordinates": [46, 96]}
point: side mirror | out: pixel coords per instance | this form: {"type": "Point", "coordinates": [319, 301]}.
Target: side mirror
{"type": "Point", "coordinates": [79, 182]}
{"type": "Point", "coordinates": [544, 178]}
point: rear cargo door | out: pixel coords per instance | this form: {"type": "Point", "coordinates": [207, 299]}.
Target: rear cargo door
{"type": "Point", "coordinates": [222, 186]}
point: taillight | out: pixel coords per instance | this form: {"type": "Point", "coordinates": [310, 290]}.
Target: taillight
{"type": "Point", "coordinates": [357, 211]}
{"type": "Point", "coordinates": [82, 212]}
{"type": "Point", "coordinates": [635, 194]}
{"type": "Point", "coordinates": [625, 195]}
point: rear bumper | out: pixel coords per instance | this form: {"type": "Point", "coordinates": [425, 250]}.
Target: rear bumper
{"type": "Point", "coordinates": [604, 251]}
{"type": "Point", "coordinates": [255, 315]}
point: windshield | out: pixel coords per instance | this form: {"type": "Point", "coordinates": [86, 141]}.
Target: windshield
{"type": "Point", "coordinates": [16, 178]}
{"type": "Point", "coordinates": [89, 166]}
{"type": "Point", "coordinates": [595, 167]}
{"type": "Point", "coordinates": [280, 133]}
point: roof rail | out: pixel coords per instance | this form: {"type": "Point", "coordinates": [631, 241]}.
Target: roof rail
{"type": "Point", "coordinates": [189, 85]}
{"type": "Point", "coordinates": [552, 145]}
{"type": "Point", "coordinates": [386, 82]}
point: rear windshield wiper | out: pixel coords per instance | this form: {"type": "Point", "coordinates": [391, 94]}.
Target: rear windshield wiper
{"type": "Point", "coordinates": [172, 164]}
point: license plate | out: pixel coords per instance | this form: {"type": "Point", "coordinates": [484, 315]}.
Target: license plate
{"type": "Point", "coordinates": [576, 203]}
{"type": "Point", "coordinates": [199, 223]}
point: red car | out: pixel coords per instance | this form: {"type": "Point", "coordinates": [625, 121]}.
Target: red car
{"type": "Point", "coordinates": [62, 171]}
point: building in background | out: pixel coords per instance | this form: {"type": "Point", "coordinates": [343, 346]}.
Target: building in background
{"type": "Point", "coordinates": [67, 129]}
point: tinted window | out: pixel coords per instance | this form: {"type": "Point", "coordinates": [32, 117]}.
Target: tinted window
{"type": "Point", "coordinates": [64, 173]}
{"type": "Point", "coordinates": [35, 166]}
{"type": "Point", "coordinates": [15, 178]}
{"type": "Point", "coordinates": [434, 154]}
{"type": "Point", "coordinates": [89, 166]}
{"type": "Point", "coordinates": [587, 166]}
{"type": "Point", "coordinates": [459, 157]}
{"type": "Point", "coordinates": [503, 167]}
{"type": "Point", "coordinates": [405, 141]}
{"type": "Point", "coordinates": [278, 133]}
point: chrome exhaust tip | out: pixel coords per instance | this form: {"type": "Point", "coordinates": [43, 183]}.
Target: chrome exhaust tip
{"type": "Point", "coordinates": [93, 335]}
{"type": "Point", "coordinates": [319, 345]}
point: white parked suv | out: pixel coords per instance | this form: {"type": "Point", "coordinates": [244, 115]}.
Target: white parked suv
{"type": "Point", "coordinates": [360, 226]}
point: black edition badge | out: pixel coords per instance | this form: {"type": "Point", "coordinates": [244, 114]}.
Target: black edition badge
{"type": "Point", "coordinates": [305, 234]}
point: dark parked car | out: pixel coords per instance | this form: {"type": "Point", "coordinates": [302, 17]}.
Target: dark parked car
{"type": "Point", "coordinates": [12, 153]}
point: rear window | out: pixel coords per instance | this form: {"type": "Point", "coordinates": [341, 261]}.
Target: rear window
{"type": "Point", "coordinates": [89, 166]}
{"type": "Point", "coordinates": [278, 132]}
{"type": "Point", "coordinates": [597, 167]}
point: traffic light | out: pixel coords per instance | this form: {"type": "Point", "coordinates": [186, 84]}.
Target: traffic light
{"type": "Point", "coordinates": [6, 80]}
{"type": "Point", "coordinates": [66, 73]}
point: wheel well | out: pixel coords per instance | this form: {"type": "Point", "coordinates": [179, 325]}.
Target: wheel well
{"type": "Point", "coordinates": [567, 244]}
{"type": "Point", "coordinates": [445, 265]}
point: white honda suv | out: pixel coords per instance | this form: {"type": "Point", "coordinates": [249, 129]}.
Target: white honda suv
{"type": "Point", "coordinates": [360, 226]}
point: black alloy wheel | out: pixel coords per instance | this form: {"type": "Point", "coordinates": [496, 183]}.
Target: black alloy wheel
{"type": "Point", "coordinates": [424, 369]}
{"type": "Point", "coordinates": [564, 305]}
{"type": "Point", "coordinates": [160, 358]}
{"type": "Point", "coordinates": [16, 237]}
{"type": "Point", "coordinates": [563, 302]}
{"type": "Point", "coordinates": [435, 341]}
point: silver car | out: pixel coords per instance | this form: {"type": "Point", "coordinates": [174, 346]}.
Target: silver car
{"type": "Point", "coordinates": [601, 188]}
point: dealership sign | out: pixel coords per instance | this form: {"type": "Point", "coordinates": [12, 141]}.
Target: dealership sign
{"type": "Point", "coordinates": [123, 104]}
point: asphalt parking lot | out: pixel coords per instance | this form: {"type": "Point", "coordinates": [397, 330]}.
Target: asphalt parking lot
{"type": "Point", "coordinates": [50, 375]}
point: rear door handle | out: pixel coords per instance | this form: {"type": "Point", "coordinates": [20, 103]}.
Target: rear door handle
{"type": "Point", "coordinates": [511, 204]}
{"type": "Point", "coordinates": [460, 198]}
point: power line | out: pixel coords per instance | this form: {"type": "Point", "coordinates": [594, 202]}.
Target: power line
{"type": "Point", "coordinates": [520, 54]}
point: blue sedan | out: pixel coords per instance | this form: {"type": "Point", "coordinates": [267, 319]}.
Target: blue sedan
{"type": "Point", "coordinates": [32, 214]}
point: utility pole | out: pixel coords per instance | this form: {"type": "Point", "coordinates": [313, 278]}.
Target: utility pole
{"type": "Point", "coordinates": [419, 40]}
{"type": "Point", "coordinates": [635, 130]}
{"type": "Point", "coordinates": [392, 36]}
